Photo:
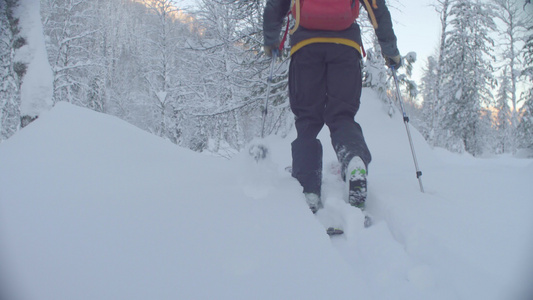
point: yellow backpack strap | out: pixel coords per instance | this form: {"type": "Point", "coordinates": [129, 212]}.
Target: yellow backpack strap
{"type": "Point", "coordinates": [296, 5]}
{"type": "Point", "coordinates": [371, 12]}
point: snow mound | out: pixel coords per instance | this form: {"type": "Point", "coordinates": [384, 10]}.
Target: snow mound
{"type": "Point", "coordinates": [94, 208]}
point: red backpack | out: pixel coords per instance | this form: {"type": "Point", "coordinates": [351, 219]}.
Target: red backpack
{"type": "Point", "coordinates": [332, 15]}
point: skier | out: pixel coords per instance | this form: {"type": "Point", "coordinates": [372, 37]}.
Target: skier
{"type": "Point", "coordinates": [325, 88]}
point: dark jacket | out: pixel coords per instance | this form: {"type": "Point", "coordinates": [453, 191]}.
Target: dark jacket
{"type": "Point", "coordinates": [276, 10]}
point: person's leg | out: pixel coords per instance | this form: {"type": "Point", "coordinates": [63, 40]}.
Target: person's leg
{"type": "Point", "coordinates": [307, 90]}
{"type": "Point", "coordinates": [343, 98]}
{"type": "Point", "coordinates": [344, 93]}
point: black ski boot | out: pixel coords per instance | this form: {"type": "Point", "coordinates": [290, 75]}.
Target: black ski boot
{"type": "Point", "coordinates": [356, 180]}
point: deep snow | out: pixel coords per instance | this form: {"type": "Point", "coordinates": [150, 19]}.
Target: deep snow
{"type": "Point", "coordinates": [94, 208]}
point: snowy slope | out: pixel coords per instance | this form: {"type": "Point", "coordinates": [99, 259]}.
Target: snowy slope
{"type": "Point", "coordinates": [93, 208]}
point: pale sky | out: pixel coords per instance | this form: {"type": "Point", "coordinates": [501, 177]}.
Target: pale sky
{"type": "Point", "coordinates": [417, 27]}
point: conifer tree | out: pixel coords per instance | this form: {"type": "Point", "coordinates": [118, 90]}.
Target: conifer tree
{"type": "Point", "coordinates": [514, 22]}
{"type": "Point", "coordinates": [503, 118]}
{"type": "Point", "coordinates": [467, 69]}
{"type": "Point", "coordinates": [9, 83]}
{"type": "Point", "coordinates": [432, 83]}
{"type": "Point", "coordinates": [525, 128]}
{"type": "Point", "coordinates": [430, 104]}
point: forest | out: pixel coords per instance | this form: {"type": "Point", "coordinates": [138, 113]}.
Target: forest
{"type": "Point", "coordinates": [197, 76]}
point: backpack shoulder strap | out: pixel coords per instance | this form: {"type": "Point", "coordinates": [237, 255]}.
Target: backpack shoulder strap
{"type": "Point", "coordinates": [296, 5]}
{"type": "Point", "coordinates": [371, 12]}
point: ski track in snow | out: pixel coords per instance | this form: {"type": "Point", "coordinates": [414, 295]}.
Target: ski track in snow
{"type": "Point", "coordinates": [93, 208]}
{"type": "Point", "coordinates": [451, 242]}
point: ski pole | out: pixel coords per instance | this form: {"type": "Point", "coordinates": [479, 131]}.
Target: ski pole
{"type": "Point", "coordinates": [269, 83]}
{"type": "Point", "coordinates": [406, 122]}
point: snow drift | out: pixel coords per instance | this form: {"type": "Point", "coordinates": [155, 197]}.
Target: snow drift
{"type": "Point", "coordinates": [94, 208]}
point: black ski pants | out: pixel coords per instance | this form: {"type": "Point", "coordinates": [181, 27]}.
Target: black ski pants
{"type": "Point", "coordinates": [325, 88]}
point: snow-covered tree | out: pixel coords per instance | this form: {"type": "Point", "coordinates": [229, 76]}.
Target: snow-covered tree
{"type": "Point", "coordinates": [375, 74]}
{"type": "Point", "coordinates": [504, 116]}
{"type": "Point", "coordinates": [430, 105]}
{"type": "Point", "coordinates": [161, 62]}
{"type": "Point", "coordinates": [467, 73]}
{"type": "Point", "coordinates": [514, 22]}
{"type": "Point", "coordinates": [9, 83]}
{"type": "Point", "coordinates": [69, 27]}
{"type": "Point", "coordinates": [36, 83]}
{"type": "Point", "coordinates": [432, 82]}
{"type": "Point", "coordinates": [118, 78]}
{"type": "Point", "coordinates": [525, 128]}
{"type": "Point", "coordinates": [232, 78]}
